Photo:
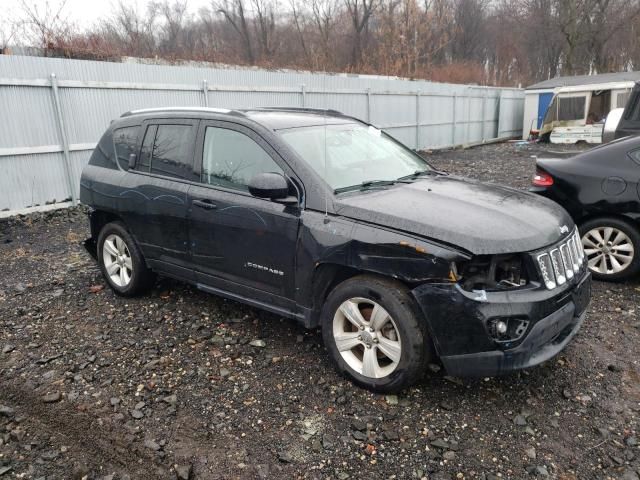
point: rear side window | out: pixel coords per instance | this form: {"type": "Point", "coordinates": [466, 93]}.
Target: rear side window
{"type": "Point", "coordinates": [166, 150]}
{"type": "Point", "coordinates": [125, 141]}
{"type": "Point", "coordinates": [231, 159]}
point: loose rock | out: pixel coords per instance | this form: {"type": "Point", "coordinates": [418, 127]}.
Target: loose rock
{"type": "Point", "coordinates": [52, 397]}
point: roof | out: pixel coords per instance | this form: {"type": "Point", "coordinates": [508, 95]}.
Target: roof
{"type": "Point", "coordinates": [145, 111]}
{"type": "Point", "coordinates": [271, 117]}
{"type": "Point", "coordinates": [586, 80]}
{"type": "Point", "coordinates": [283, 118]}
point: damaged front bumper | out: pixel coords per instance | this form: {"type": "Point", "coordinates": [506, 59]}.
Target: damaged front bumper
{"type": "Point", "coordinates": [460, 324]}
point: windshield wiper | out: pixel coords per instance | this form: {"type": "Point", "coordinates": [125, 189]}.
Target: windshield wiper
{"type": "Point", "coordinates": [419, 173]}
{"type": "Point", "coordinates": [368, 184]}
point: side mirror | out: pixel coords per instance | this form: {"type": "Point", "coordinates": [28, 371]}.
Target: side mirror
{"type": "Point", "coordinates": [269, 185]}
{"type": "Point", "coordinates": [132, 160]}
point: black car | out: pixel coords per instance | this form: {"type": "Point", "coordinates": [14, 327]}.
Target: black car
{"type": "Point", "coordinates": [319, 217]}
{"type": "Point", "coordinates": [624, 122]}
{"type": "Point", "coordinates": [600, 190]}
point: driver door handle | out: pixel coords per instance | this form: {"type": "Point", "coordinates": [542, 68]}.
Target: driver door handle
{"type": "Point", "coordinates": [206, 204]}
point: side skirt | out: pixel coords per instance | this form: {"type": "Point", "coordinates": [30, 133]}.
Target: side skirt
{"type": "Point", "coordinates": [252, 302]}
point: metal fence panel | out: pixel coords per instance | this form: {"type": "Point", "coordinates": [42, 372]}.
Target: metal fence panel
{"type": "Point", "coordinates": [510, 115]}
{"type": "Point", "coordinates": [28, 180]}
{"type": "Point", "coordinates": [53, 111]}
{"type": "Point", "coordinates": [27, 115]}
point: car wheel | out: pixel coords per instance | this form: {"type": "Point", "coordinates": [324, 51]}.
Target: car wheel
{"type": "Point", "coordinates": [612, 247]}
{"type": "Point", "coordinates": [121, 261]}
{"type": "Point", "coordinates": [375, 334]}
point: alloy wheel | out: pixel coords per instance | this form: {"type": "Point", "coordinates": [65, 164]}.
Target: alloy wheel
{"type": "Point", "coordinates": [608, 249]}
{"type": "Point", "coordinates": [367, 337]}
{"type": "Point", "coordinates": [117, 260]}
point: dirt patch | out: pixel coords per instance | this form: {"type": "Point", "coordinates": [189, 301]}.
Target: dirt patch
{"type": "Point", "coordinates": [97, 386]}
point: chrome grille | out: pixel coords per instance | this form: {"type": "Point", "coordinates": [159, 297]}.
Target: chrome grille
{"type": "Point", "coordinates": [567, 261]}
{"type": "Point", "coordinates": [561, 262]}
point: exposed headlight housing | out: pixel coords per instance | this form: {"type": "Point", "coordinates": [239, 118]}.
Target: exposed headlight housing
{"type": "Point", "coordinates": [493, 272]}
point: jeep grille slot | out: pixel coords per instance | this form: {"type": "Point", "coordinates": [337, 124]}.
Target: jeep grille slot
{"type": "Point", "coordinates": [561, 262]}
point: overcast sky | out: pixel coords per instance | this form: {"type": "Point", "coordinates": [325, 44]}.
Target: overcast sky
{"type": "Point", "coordinates": [84, 13]}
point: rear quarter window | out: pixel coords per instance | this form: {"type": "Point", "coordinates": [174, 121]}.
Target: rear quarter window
{"type": "Point", "coordinates": [103, 155]}
{"type": "Point", "coordinates": [125, 141]}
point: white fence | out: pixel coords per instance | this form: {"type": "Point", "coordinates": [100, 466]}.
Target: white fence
{"type": "Point", "coordinates": [53, 111]}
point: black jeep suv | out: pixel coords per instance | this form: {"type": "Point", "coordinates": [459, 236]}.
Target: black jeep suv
{"type": "Point", "coordinates": [320, 217]}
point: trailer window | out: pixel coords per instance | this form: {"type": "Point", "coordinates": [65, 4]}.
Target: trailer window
{"type": "Point", "coordinates": [622, 99]}
{"type": "Point", "coordinates": [571, 108]}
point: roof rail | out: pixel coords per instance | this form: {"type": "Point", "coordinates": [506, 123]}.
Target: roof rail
{"type": "Point", "coordinates": [177, 109]}
{"type": "Point", "coordinates": [299, 109]}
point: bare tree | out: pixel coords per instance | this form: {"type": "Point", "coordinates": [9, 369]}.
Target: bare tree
{"type": "Point", "coordinates": [300, 25]}
{"type": "Point", "coordinates": [469, 18]}
{"type": "Point", "coordinates": [132, 31]}
{"type": "Point", "coordinates": [265, 26]}
{"type": "Point", "coordinates": [360, 12]}
{"type": "Point", "coordinates": [45, 24]}
{"type": "Point", "coordinates": [324, 13]}
{"type": "Point", "coordinates": [503, 42]}
{"type": "Point", "coordinates": [234, 12]}
{"type": "Point", "coordinates": [8, 30]}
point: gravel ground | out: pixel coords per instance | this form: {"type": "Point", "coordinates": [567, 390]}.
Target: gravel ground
{"type": "Point", "coordinates": [181, 384]}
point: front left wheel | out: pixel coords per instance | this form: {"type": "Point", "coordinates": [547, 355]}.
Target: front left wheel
{"type": "Point", "coordinates": [121, 261]}
{"type": "Point", "coordinates": [375, 333]}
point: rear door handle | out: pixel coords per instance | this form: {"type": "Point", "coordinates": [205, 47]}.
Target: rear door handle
{"type": "Point", "coordinates": [206, 204]}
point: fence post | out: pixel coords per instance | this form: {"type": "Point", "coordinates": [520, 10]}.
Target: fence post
{"type": "Point", "coordinates": [453, 123]}
{"type": "Point", "coordinates": [467, 133]}
{"type": "Point", "coordinates": [205, 92]}
{"type": "Point", "coordinates": [63, 138]}
{"type": "Point", "coordinates": [498, 108]}
{"type": "Point", "coordinates": [418, 120]}
{"type": "Point", "coordinates": [303, 93]}
{"type": "Point", "coordinates": [368, 105]}
{"type": "Point", "coordinates": [484, 113]}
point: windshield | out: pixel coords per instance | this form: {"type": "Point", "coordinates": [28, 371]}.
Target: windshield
{"type": "Point", "coordinates": [353, 154]}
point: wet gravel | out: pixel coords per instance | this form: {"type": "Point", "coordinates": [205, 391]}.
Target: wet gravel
{"type": "Point", "coordinates": [181, 384]}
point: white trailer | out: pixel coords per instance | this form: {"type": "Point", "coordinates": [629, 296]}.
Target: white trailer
{"type": "Point", "coordinates": [573, 109]}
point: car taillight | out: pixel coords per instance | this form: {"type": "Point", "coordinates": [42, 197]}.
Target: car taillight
{"type": "Point", "coordinates": [542, 179]}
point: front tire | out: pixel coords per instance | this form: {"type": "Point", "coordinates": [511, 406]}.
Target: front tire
{"type": "Point", "coordinates": [121, 261]}
{"type": "Point", "coordinates": [375, 334]}
{"type": "Point", "coordinates": [612, 247]}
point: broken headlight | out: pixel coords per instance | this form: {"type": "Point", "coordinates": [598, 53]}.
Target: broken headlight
{"type": "Point", "coordinates": [493, 272]}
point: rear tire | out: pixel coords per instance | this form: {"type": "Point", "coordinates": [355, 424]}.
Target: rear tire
{"type": "Point", "coordinates": [121, 261]}
{"type": "Point", "coordinates": [375, 334]}
{"type": "Point", "coordinates": [612, 247]}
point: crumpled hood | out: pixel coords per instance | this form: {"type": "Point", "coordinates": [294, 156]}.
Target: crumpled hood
{"type": "Point", "coordinates": [479, 217]}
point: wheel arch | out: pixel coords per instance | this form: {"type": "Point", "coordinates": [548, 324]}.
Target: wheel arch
{"type": "Point", "coordinates": [327, 276]}
{"type": "Point", "coordinates": [99, 218]}
{"type": "Point", "coordinates": [631, 218]}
